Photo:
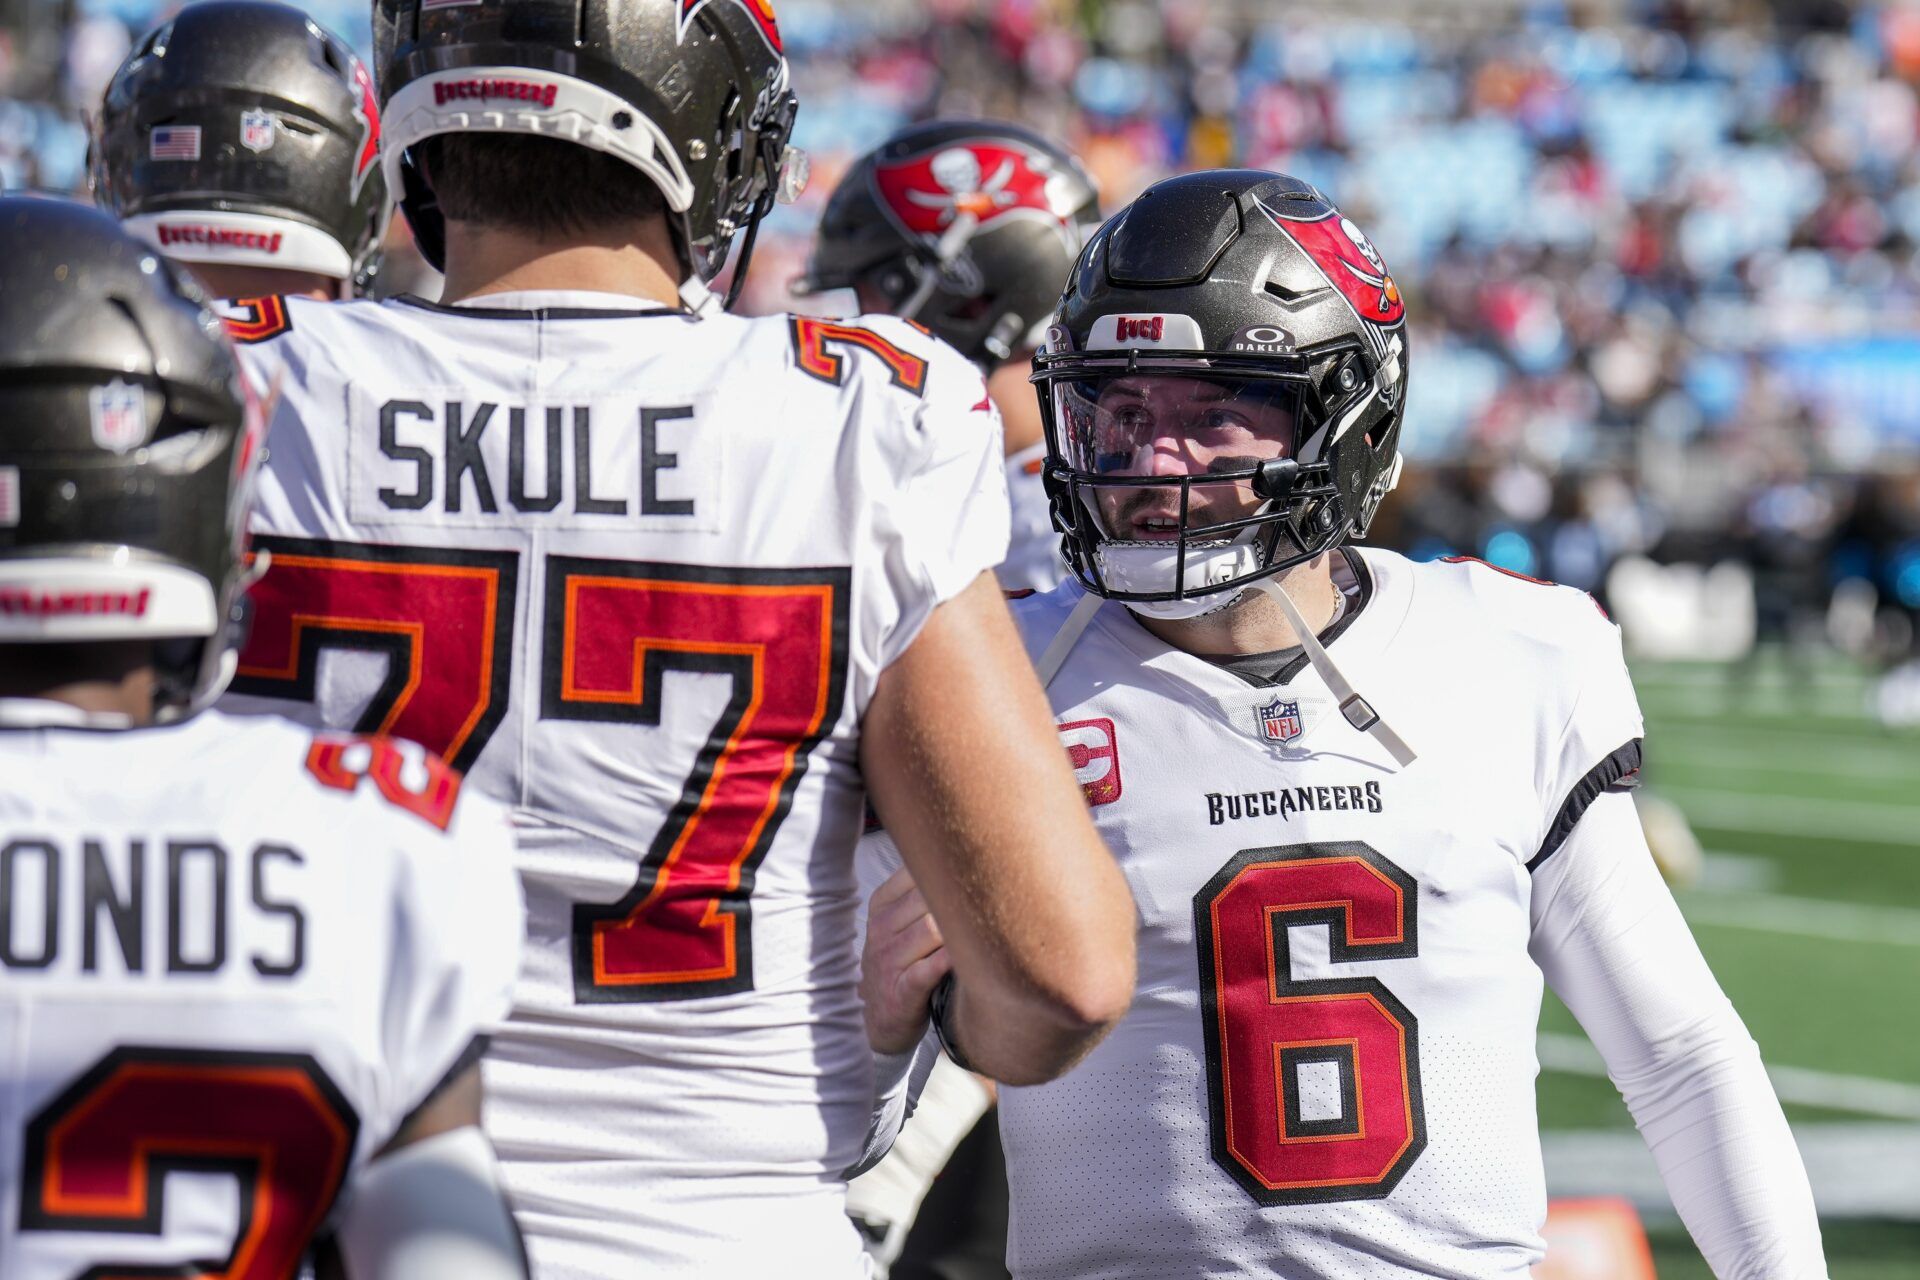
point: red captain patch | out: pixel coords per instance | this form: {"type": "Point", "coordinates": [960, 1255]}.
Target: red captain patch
{"type": "Point", "coordinates": [993, 181]}
{"type": "Point", "coordinates": [1093, 749]}
{"type": "Point", "coordinates": [1349, 262]}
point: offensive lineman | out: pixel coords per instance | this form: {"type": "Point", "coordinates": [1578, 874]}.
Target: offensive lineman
{"type": "Point", "coordinates": [970, 227]}
{"type": "Point", "coordinates": [242, 140]}
{"type": "Point", "coordinates": [246, 972]}
{"type": "Point", "coordinates": [1357, 860]}
{"type": "Point", "coordinates": [682, 587]}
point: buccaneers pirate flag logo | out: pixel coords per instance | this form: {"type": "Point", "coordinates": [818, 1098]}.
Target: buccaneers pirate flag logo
{"type": "Point", "coordinates": [988, 182]}
{"type": "Point", "coordinates": [1349, 262]}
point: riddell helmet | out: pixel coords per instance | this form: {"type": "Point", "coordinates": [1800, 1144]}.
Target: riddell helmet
{"type": "Point", "coordinates": [968, 227]}
{"type": "Point", "coordinates": [240, 132]}
{"type": "Point", "coordinates": [128, 445]}
{"type": "Point", "coordinates": [1234, 322]}
{"type": "Point", "coordinates": [693, 93]}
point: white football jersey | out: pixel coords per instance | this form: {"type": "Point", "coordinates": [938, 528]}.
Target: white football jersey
{"type": "Point", "coordinates": [234, 959]}
{"type": "Point", "coordinates": [639, 573]}
{"type": "Point", "coordinates": [1033, 560]}
{"type": "Point", "coordinates": [1327, 1072]}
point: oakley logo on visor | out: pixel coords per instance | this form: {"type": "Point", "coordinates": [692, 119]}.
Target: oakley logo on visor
{"type": "Point", "coordinates": [1125, 333]}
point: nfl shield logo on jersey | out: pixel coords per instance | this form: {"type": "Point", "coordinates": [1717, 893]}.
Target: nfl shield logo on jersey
{"type": "Point", "coordinates": [1279, 720]}
{"type": "Point", "coordinates": [256, 130]}
{"type": "Point", "coordinates": [119, 416]}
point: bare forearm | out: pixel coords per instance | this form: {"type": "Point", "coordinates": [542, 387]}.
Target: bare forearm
{"type": "Point", "coordinates": [966, 771]}
{"type": "Point", "coordinates": [1015, 1041]}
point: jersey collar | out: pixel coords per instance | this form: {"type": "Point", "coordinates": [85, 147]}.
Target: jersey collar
{"type": "Point", "coordinates": [546, 304]}
{"type": "Point", "coordinates": [1358, 640]}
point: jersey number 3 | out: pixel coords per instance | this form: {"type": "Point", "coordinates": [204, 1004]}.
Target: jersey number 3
{"type": "Point", "coordinates": [98, 1157]}
{"type": "Point", "coordinates": [1314, 1085]}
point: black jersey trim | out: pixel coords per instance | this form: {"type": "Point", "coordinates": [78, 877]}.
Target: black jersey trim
{"type": "Point", "coordinates": [1622, 764]}
{"type": "Point", "coordinates": [469, 1057]}
{"type": "Point", "coordinates": [537, 313]}
{"type": "Point", "coordinates": [1362, 576]}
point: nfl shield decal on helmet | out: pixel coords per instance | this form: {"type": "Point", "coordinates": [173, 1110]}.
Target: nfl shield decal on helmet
{"type": "Point", "coordinates": [1279, 720]}
{"type": "Point", "coordinates": [989, 180]}
{"type": "Point", "coordinates": [1349, 261]}
{"type": "Point", "coordinates": [256, 130]}
{"type": "Point", "coordinates": [119, 416]}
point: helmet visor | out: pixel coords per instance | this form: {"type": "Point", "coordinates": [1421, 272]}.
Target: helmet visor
{"type": "Point", "coordinates": [1158, 454]}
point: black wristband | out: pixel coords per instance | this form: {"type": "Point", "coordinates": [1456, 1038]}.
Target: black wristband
{"type": "Point", "coordinates": [937, 1006]}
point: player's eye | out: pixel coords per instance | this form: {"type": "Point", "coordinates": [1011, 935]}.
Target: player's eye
{"type": "Point", "coordinates": [1223, 420]}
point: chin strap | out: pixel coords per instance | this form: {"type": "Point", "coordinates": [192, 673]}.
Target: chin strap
{"type": "Point", "coordinates": [945, 255]}
{"type": "Point", "coordinates": [1358, 711]}
{"type": "Point", "coordinates": [1066, 637]}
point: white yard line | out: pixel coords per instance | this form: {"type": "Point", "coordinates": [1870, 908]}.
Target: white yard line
{"type": "Point", "coordinates": [1804, 917]}
{"type": "Point", "coordinates": [1682, 750]}
{"type": "Point", "coordinates": [1765, 704]}
{"type": "Point", "coordinates": [1863, 1095]}
{"type": "Point", "coordinates": [1715, 675]}
{"type": "Point", "coordinates": [1858, 1170]}
{"type": "Point", "coordinates": [1785, 726]}
{"type": "Point", "coordinates": [1797, 816]}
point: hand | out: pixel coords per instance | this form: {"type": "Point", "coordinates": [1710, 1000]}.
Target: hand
{"type": "Point", "coordinates": [904, 959]}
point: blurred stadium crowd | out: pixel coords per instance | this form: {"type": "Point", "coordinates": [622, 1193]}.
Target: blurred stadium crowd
{"type": "Point", "coordinates": [1660, 253]}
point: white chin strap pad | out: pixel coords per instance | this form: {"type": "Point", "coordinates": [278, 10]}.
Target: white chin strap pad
{"type": "Point", "coordinates": [1155, 567]}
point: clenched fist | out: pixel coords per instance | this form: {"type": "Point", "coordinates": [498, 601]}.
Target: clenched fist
{"type": "Point", "coordinates": [904, 959]}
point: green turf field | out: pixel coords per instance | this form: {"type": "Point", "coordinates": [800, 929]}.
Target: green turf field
{"type": "Point", "coordinates": [1809, 910]}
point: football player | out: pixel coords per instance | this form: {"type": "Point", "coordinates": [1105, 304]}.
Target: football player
{"type": "Point", "coordinates": [1368, 808]}
{"type": "Point", "coordinates": [244, 973]}
{"type": "Point", "coordinates": [684, 588]}
{"type": "Point", "coordinates": [241, 139]}
{"type": "Point", "coordinates": [969, 227]}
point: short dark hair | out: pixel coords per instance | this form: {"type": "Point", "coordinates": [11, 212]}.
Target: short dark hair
{"type": "Point", "coordinates": [545, 187]}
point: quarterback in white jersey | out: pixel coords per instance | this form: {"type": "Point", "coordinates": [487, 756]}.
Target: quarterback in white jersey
{"type": "Point", "coordinates": [648, 571]}
{"type": "Point", "coordinates": [1367, 807]}
{"type": "Point", "coordinates": [245, 973]}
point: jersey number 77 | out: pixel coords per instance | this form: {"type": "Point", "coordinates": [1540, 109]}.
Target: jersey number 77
{"type": "Point", "coordinates": [610, 630]}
